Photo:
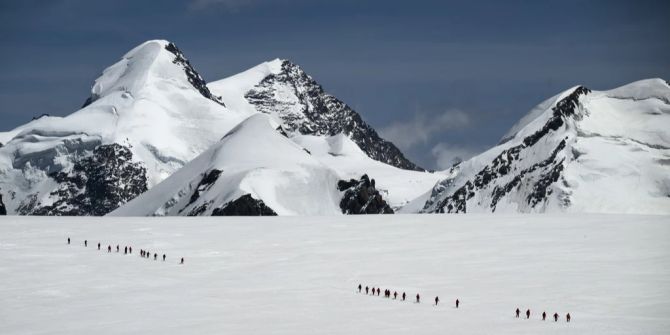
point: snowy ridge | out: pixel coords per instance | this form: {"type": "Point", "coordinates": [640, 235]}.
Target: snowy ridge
{"type": "Point", "coordinates": [341, 154]}
{"type": "Point", "coordinates": [580, 151]}
{"type": "Point", "coordinates": [252, 159]}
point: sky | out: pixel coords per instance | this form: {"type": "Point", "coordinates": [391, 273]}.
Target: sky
{"type": "Point", "coordinates": [443, 80]}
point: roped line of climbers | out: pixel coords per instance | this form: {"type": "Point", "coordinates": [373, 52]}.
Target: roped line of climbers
{"type": "Point", "coordinates": [127, 250]}
{"type": "Point", "coordinates": [403, 297]}
{"type": "Point", "coordinates": [544, 315]}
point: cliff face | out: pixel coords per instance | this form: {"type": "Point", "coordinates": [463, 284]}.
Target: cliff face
{"type": "Point", "coordinates": [305, 108]}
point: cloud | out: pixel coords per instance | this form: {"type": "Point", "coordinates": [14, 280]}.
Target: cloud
{"type": "Point", "coordinates": [446, 155]}
{"type": "Point", "coordinates": [422, 128]}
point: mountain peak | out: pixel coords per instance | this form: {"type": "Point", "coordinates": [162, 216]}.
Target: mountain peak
{"type": "Point", "coordinates": [581, 150]}
{"type": "Point", "coordinates": [151, 105]}
{"type": "Point", "coordinates": [151, 61]}
{"type": "Point", "coordinates": [545, 111]}
{"type": "Point", "coordinates": [155, 43]}
{"type": "Point", "coordinates": [288, 93]}
{"type": "Point", "coordinates": [284, 90]}
{"type": "Point", "coordinates": [289, 72]}
{"type": "Point", "coordinates": [279, 64]}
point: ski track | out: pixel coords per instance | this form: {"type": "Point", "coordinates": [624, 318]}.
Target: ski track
{"type": "Point", "coordinates": [299, 275]}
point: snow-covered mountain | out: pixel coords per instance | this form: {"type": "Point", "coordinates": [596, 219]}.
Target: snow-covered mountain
{"type": "Point", "coordinates": [150, 114]}
{"type": "Point", "coordinates": [282, 89]}
{"type": "Point", "coordinates": [254, 170]}
{"type": "Point", "coordinates": [151, 123]}
{"type": "Point", "coordinates": [580, 151]}
{"type": "Point", "coordinates": [147, 116]}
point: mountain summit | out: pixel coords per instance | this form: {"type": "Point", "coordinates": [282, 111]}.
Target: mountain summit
{"type": "Point", "coordinates": [147, 115]}
{"type": "Point", "coordinates": [580, 151]}
{"type": "Point", "coordinates": [282, 89]}
{"type": "Point", "coordinates": [149, 62]}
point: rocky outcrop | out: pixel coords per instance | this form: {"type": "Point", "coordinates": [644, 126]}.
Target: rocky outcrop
{"type": "Point", "coordinates": [208, 180]}
{"type": "Point", "coordinates": [3, 210]}
{"type": "Point", "coordinates": [96, 185]}
{"type": "Point", "coordinates": [244, 206]}
{"type": "Point", "coordinates": [193, 76]}
{"type": "Point", "coordinates": [93, 97]}
{"type": "Point", "coordinates": [318, 113]}
{"type": "Point", "coordinates": [361, 197]}
{"type": "Point", "coordinates": [205, 184]}
{"type": "Point", "coordinates": [563, 109]}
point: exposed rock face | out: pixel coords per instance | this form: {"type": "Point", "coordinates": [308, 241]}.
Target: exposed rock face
{"type": "Point", "coordinates": [279, 130]}
{"type": "Point", "coordinates": [207, 181]}
{"type": "Point", "coordinates": [563, 109]}
{"type": "Point", "coordinates": [306, 109]}
{"type": "Point", "coordinates": [244, 206]}
{"type": "Point", "coordinates": [3, 210]}
{"type": "Point", "coordinates": [361, 197]}
{"type": "Point", "coordinates": [205, 184]}
{"type": "Point", "coordinates": [193, 76]}
{"type": "Point", "coordinates": [96, 185]}
{"type": "Point", "coordinates": [41, 116]}
{"type": "Point", "coordinates": [506, 172]}
{"type": "Point", "coordinates": [93, 97]}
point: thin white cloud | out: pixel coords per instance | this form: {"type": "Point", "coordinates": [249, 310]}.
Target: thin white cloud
{"type": "Point", "coordinates": [447, 155]}
{"type": "Point", "coordinates": [421, 129]}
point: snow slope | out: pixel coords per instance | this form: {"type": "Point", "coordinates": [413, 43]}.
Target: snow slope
{"type": "Point", "coordinates": [253, 159]}
{"type": "Point", "coordinates": [151, 103]}
{"type": "Point", "coordinates": [292, 176]}
{"type": "Point", "coordinates": [297, 275]}
{"type": "Point", "coordinates": [341, 154]}
{"type": "Point", "coordinates": [580, 151]}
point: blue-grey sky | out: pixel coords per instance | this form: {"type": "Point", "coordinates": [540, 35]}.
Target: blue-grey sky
{"type": "Point", "coordinates": [439, 78]}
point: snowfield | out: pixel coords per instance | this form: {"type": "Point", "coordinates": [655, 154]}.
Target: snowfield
{"type": "Point", "coordinates": [297, 275]}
